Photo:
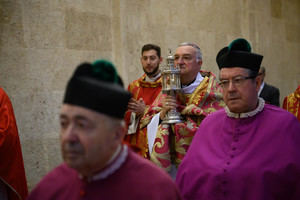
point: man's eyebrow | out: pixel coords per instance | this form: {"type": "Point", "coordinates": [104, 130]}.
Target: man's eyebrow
{"type": "Point", "coordinates": [221, 78]}
{"type": "Point", "coordinates": [63, 116]}
{"type": "Point", "coordinates": [80, 117]}
{"type": "Point", "coordinates": [186, 54]}
{"type": "Point", "coordinates": [76, 117]}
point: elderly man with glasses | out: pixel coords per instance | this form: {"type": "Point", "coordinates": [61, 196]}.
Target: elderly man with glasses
{"type": "Point", "coordinates": [249, 150]}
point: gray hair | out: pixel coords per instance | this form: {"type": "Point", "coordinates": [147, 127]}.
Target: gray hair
{"type": "Point", "coordinates": [195, 46]}
{"type": "Point", "coordinates": [251, 73]}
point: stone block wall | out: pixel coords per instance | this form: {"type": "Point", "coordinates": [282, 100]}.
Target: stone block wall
{"type": "Point", "coordinates": [41, 42]}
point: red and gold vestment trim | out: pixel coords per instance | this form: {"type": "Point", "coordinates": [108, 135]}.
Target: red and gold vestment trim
{"type": "Point", "coordinates": [172, 141]}
{"type": "Point", "coordinates": [291, 103]}
{"type": "Point", "coordinates": [141, 88]}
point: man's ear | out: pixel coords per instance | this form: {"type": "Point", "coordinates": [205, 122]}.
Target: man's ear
{"type": "Point", "coordinates": [258, 82]}
{"type": "Point", "coordinates": [200, 62]}
{"type": "Point", "coordinates": [160, 60]}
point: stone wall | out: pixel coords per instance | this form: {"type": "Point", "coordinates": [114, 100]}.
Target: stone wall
{"type": "Point", "coordinates": [41, 42]}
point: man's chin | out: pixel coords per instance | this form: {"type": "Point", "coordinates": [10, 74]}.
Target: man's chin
{"type": "Point", "coordinates": [73, 164]}
{"type": "Point", "coordinates": [150, 73]}
{"type": "Point", "coordinates": [236, 109]}
{"type": "Point", "coordinates": [234, 106]}
{"type": "Point", "coordinates": [72, 160]}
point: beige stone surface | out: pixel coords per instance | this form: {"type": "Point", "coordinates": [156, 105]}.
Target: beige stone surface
{"type": "Point", "coordinates": [87, 31]}
{"type": "Point", "coordinates": [41, 42]}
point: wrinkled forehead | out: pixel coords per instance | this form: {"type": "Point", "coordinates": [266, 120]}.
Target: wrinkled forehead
{"type": "Point", "coordinates": [230, 72]}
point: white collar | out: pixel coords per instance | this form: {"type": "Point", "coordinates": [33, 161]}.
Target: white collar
{"type": "Point", "coordinates": [116, 161]}
{"type": "Point", "coordinates": [190, 88]}
{"type": "Point", "coordinates": [260, 107]}
{"type": "Point", "coordinates": [152, 79]}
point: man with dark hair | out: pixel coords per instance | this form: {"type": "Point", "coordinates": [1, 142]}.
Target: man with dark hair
{"type": "Point", "coordinates": [249, 150]}
{"type": "Point", "coordinates": [144, 91]}
{"type": "Point", "coordinates": [96, 163]}
{"type": "Point", "coordinates": [268, 92]}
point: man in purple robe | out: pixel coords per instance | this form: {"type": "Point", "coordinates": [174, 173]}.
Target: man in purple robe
{"type": "Point", "coordinates": [96, 163]}
{"type": "Point", "coordinates": [249, 150]}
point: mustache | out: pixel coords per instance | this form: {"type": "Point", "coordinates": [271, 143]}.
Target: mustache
{"type": "Point", "coordinates": [232, 96]}
{"type": "Point", "coordinates": [72, 147]}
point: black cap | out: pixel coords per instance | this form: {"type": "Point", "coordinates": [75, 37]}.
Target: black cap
{"type": "Point", "coordinates": [98, 87]}
{"type": "Point", "coordinates": [238, 54]}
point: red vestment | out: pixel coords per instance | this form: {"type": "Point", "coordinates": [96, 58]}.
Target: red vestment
{"type": "Point", "coordinates": [173, 140]}
{"type": "Point", "coordinates": [291, 103]}
{"type": "Point", "coordinates": [12, 172]}
{"type": "Point", "coordinates": [148, 91]}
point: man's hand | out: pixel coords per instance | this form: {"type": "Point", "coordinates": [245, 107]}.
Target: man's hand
{"type": "Point", "coordinates": [137, 106]}
{"type": "Point", "coordinates": [168, 103]}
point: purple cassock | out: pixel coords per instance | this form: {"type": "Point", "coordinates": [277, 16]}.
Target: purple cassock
{"type": "Point", "coordinates": [128, 177]}
{"type": "Point", "coordinates": [251, 156]}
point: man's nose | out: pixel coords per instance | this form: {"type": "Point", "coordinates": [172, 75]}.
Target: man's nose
{"type": "Point", "coordinates": [69, 134]}
{"type": "Point", "coordinates": [231, 86]}
{"type": "Point", "coordinates": [148, 61]}
{"type": "Point", "coordinates": [179, 61]}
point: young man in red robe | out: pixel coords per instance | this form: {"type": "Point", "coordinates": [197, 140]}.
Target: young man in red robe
{"type": "Point", "coordinates": [13, 184]}
{"type": "Point", "coordinates": [96, 163]}
{"type": "Point", "coordinates": [144, 91]}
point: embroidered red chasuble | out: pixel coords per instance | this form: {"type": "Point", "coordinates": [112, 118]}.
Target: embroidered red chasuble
{"type": "Point", "coordinates": [141, 88]}
{"type": "Point", "coordinates": [172, 141]}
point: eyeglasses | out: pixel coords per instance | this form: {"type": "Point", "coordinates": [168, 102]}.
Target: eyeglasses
{"type": "Point", "coordinates": [237, 81]}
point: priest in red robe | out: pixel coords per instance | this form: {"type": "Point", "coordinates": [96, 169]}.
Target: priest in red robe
{"type": "Point", "coordinates": [200, 96]}
{"type": "Point", "coordinates": [144, 91]}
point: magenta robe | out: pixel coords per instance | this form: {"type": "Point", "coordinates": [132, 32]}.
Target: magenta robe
{"type": "Point", "coordinates": [255, 158]}
{"type": "Point", "coordinates": [136, 179]}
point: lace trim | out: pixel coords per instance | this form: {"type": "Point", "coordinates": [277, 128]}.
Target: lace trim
{"type": "Point", "coordinates": [260, 107]}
